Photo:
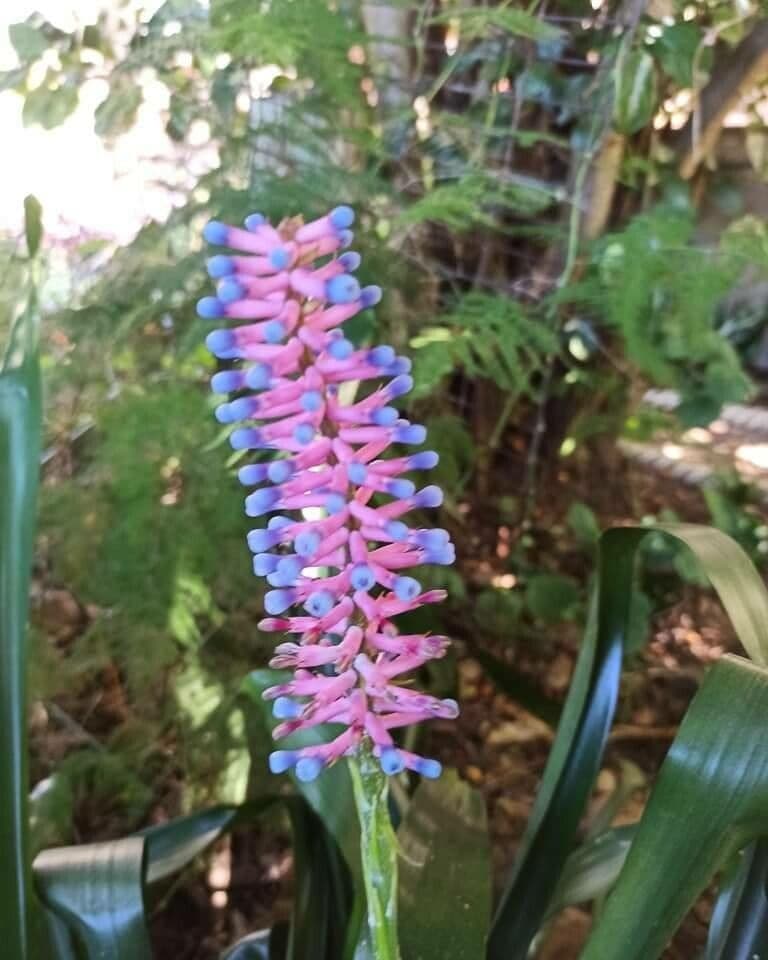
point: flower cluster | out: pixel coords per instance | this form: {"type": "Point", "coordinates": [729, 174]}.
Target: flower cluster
{"type": "Point", "coordinates": [336, 544]}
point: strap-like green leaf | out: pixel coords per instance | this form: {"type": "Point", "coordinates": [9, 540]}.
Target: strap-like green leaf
{"type": "Point", "coordinates": [445, 876]}
{"type": "Point", "coordinates": [98, 890]}
{"type": "Point", "coordinates": [578, 749]}
{"type": "Point", "coordinates": [710, 799]}
{"type": "Point", "coordinates": [19, 459]}
{"type": "Point", "coordinates": [739, 924]}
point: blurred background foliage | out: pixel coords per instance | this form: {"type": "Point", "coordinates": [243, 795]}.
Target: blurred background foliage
{"type": "Point", "coordinates": [565, 204]}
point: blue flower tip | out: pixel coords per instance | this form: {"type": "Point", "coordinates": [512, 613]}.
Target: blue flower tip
{"type": "Point", "coordinates": [382, 356]}
{"type": "Point", "coordinates": [223, 413]}
{"type": "Point", "coordinates": [342, 288]}
{"type": "Point", "coordinates": [308, 769]}
{"type": "Point", "coordinates": [220, 266]}
{"type": "Point", "coordinates": [385, 416]}
{"type": "Point", "coordinates": [304, 433]}
{"type": "Point", "coordinates": [311, 400]}
{"type": "Point", "coordinates": [431, 769]}
{"type": "Point", "coordinates": [216, 232]}
{"type": "Point", "coordinates": [280, 470]}
{"type": "Point", "coordinates": [218, 340]}
{"type": "Point", "coordinates": [357, 472]}
{"type": "Point", "coordinates": [285, 709]}
{"type": "Point", "coordinates": [340, 349]}
{"type": "Point", "coordinates": [362, 577]}
{"type": "Point", "coordinates": [342, 217]}
{"type": "Point", "coordinates": [274, 331]}
{"type": "Point", "coordinates": [279, 258]}
{"type": "Point", "coordinates": [281, 760]}
{"type": "Point", "coordinates": [406, 588]}
{"type": "Point", "coordinates": [397, 530]}
{"type": "Point", "coordinates": [400, 489]}
{"type": "Point", "coordinates": [243, 438]}
{"type": "Point", "coordinates": [370, 296]}
{"type": "Point", "coordinates": [209, 308]}
{"type": "Point", "coordinates": [229, 290]}
{"type": "Point", "coordinates": [345, 238]}
{"type": "Point", "coordinates": [391, 761]}
{"type": "Point", "coordinates": [258, 376]}
{"type": "Point", "coordinates": [319, 603]}
{"type": "Point", "coordinates": [225, 381]}
{"type": "Point", "coordinates": [335, 503]}
{"type": "Point", "coordinates": [254, 220]}
{"type": "Point", "coordinates": [278, 601]}
{"type": "Point", "coordinates": [306, 543]}
{"type": "Point", "coordinates": [350, 260]}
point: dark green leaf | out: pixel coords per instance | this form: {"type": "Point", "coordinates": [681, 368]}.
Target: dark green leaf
{"type": "Point", "coordinates": [711, 797]}
{"type": "Point", "coordinates": [118, 112]}
{"type": "Point", "coordinates": [97, 889]}
{"type": "Point", "coordinates": [739, 924]}
{"type": "Point", "coordinates": [592, 869]}
{"type": "Point", "coordinates": [577, 752]}
{"type": "Point", "coordinates": [445, 875]}
{"type": "Point", "coordinates": [636, 94]}
{"type": "Point", "coordinates": [28, 42]}
{"type": "Point", "coordinates": [49, 107]}
{"type": "Point", "coordinates": [551, 597]}
{"type": "Point", "coordinates": [33, 223]}
{"type": "Point", "coordinates": [19, 458]}
{"type": "Point", "coordinates": [676, 49]}
{"type": "Point", "coordinates": [323, 895]}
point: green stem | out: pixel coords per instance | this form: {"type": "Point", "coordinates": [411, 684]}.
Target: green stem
{"type": "Point", "coordinates": [378, 851]}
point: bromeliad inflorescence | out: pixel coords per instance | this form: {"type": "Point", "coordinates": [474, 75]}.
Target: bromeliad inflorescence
{"type": "Point", "coordinates": [299, 390]}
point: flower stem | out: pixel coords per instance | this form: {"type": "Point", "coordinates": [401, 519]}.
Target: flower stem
{"type": "Point", "coordinates": [378, 852]}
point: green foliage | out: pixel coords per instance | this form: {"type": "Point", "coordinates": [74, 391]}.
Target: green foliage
{"type": "Point", "coordinates": [659, 293]}
{"type": "Point", "coordinates": [488, 336]}
{"type": "Point", "coordinates": [551, 597]}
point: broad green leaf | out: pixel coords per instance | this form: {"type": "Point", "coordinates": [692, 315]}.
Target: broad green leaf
{"type": "Point", "coordinates": [29, 42]}
{"type": "Point", "coordinates": [323, 894]}
{"type": "Point", "coordinates": [49, 107]}
{"type": "Point", "coordinates": [578, 748]}
{"type": "Point", "coordinates": [592, 869]}
{"type": "Point", "coordinates": [710, 799]}
{"type": "Point", "coordinates": [118, 112]}
{"type": "Point", "coordinates": [636, 94]}
{"type": "Point", "coordinates": [676, 50]}
{"type": "Point", "coordinates": [171, 846]}
{"type": "Point", "coordinates": [19, 458]}
{"type": "Point", "coordinates": [739, 924]}
{"type": "Point", "coordinates": [445, 875]}
{"type": "Point", "coordinates": [33, 223]}
{"type": "Point", "coordinates": [97, 889]}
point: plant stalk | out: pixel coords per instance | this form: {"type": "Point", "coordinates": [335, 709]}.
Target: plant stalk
{"type": "Point", "coordinates": [378, 852]}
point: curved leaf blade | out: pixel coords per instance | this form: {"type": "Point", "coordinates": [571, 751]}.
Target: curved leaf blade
{"type": "Point", "coordinates": [98, 890]}
{"type": "Point", "coordinates": [711, 797]}
{"type": "Point", "coordinates": [445, 876]}
{"type": "Point", "coordinates": [19, 459]}
{"type": "Point", "coordinates": [588, 712]}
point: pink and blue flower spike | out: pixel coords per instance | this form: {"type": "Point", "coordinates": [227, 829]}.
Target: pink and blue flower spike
{"type": "Point", "coordinates": [337, 581]}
